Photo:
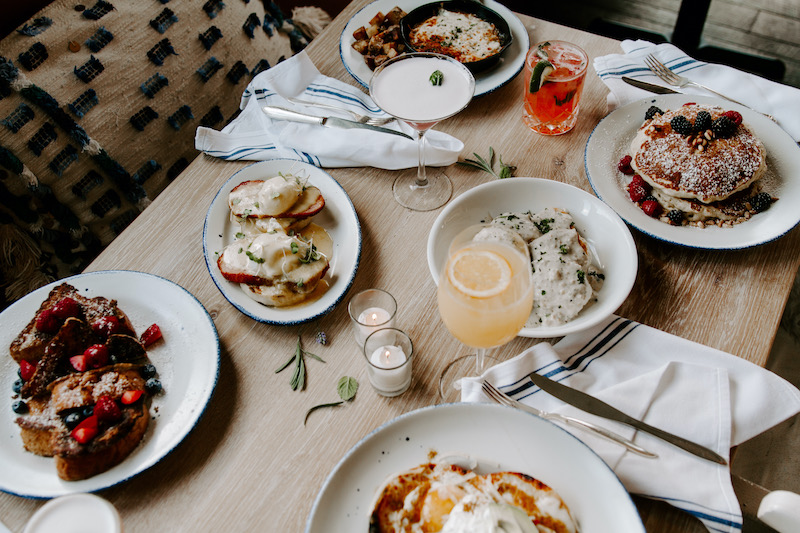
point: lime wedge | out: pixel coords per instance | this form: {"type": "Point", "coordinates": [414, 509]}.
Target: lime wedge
{"type": "Point", "coordinates": [539, 75]}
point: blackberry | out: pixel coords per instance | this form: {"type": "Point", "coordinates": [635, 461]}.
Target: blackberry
{"type": "Point", "coordinates": [761, 201]}
{"type": "Point", "coordinates": [19, 407]}
{"type": "Point", "coordinates": [681, 124]}
{"type": "Point", "coordinates": [723, 127]}
{"type": "Point", "coordinates": [650, 198]}
{"type": "Point", "coordinates": [675, 217]}
{"type": "Point", "coordinates": [652, 111]}
{"type": "Point", "coordinates": [702, 121]}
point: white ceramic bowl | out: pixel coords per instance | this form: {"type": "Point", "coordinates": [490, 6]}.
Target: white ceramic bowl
{"type": "Point", "coordinates": [603, 230]}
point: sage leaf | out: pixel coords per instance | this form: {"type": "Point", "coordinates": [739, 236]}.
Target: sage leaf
{"type": "Point", "coordinates": [347, 388]}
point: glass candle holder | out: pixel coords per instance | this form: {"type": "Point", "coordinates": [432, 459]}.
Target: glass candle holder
{"type": "Point", "coordinates": [388, 352]}
{"type": "Point", "coordinates": [371, 310]}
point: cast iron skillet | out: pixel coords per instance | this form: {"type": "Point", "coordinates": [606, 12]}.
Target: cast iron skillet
{"type": "Point", "coordinates": [424, 12]}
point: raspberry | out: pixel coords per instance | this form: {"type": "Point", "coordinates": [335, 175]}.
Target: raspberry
{"type": "Point", "coordinates": [723, 127]}
{"type": "Point", "coordinates": [107, 410]}
{"type": "Point", "coordinates": [735, 117]}
{"type": "Point", "coordinates": [624, 165]}
{"type": "Point", "coordinates": [681, 124]}
{"type": "Point", "coordinates": [637, 192]}
{"type": "Point", "coordinates": [66, 308]}
{"type": "Point", "coordinates": [639, 181]}
{"type": "Point", "coordinates": [651, 208]}
{"type": "Point", "coordinates": [652, 111]}
{"type": "Point", "coordinates": [761, 202]}
{"type": "Point", "coordinates": [675, 217]}
{"type": "Point", "coordinates": [702, 121]}
{"type": "Point", "coordinates": [106, 326]}
{"type": "Point", "coordinates": [47, 321]}
{"type": "Point", "coordinates": [96, 355]}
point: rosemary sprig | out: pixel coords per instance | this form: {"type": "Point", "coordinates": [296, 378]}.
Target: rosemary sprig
{"type": "Point", "coordinates": [487, 165]}
{"type": "Point", "coordinates": [347, 388]}
{"type": "Point", "coordinates": [299, 375]}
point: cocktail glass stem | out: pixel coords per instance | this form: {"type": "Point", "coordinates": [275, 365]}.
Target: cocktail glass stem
{"type": "Point", "coordinates": [422, 177]}
{"type": "Point", "coordinates": [480, 361]}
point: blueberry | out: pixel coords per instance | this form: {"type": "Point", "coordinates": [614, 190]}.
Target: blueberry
{"type": "Point", "coordinates": [19, 407]}
{"type": "Point", "coordinates": [73, 419]}
{"type": "Point", "coordinates": [87, 411]}
{"type": "Point", "coordinates": [153, 386]}
{"type": "Point", "coordinates": [148, 371]}
{"type": "Point", "coordinates": [17, 386]}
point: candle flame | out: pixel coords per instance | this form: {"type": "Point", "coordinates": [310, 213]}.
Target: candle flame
{"type": "Point", "coordinates": [374, 318]}
{"type": "Point", "coordinates": [388, 354]}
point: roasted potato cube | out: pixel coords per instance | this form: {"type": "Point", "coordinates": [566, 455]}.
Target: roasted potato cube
{"type": "Point", "coordinates": [360, 34]}
{"type": "Point", "coordinates": [393, 17]}
{"type": "Point", "coordinates": [372, 31]}
{"type": "Point", "coordinates": [380, 59]}
{"type": "Point", "coordinates": [376, 20]}
{"type": "Point", "coordinates": [361, 46]}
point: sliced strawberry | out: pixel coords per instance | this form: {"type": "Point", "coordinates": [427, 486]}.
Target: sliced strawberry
{"type": "Point", "coordinates": [107, 410]}
{"type": "Point", "coordinates": [48, 322]}
{"type": "Point", "coordinates": [26, 370]}
{"type": "Point", "coordinates": [131, 396]}
{"type": "Point", "coordinates": [151, 335]}
{"type": "Point", "coordinates": [81, 363]}
{"type": "Point", "coordinates": [86, 430]}
{"type": "Point", "coordinates": [66, 307]}
{"type": "Point", "coordinates": [106, 326]}
{"type": "Point", "coordinates": [96, 355]}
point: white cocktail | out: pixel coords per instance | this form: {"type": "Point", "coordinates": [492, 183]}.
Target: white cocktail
{"type": "Point", "coordinates": [422, 89]}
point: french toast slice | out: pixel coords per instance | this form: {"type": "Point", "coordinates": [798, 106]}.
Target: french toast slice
{"type": "Point", "coordinates": [31, 342]}
{"type": "Point", "coordinates": [45, 431]}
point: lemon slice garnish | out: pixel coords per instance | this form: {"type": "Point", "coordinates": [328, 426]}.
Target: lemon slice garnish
{"type": "Point", "coordinates": [479, 273]}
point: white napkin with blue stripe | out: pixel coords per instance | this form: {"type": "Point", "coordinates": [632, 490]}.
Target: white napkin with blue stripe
{"type": "Point", "coordinates": [705, 395]}
{"type": "Point", "coordinates": [254, 136]}
{"type": "Point", "coordinates": [780, 101]}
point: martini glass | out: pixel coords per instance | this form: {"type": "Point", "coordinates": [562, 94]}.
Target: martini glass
{"type": "Point", "coordinates": [422, 89]}
{"type": "Point", "coordinates": [485, 296]}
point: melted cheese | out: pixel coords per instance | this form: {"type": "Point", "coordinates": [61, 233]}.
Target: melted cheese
{"type": "Point", "coordinates": [267, 255]}
{"type": "Point", "coordinates": [462, 36]}
{"type": "Point", "coordinates": [271, 197]}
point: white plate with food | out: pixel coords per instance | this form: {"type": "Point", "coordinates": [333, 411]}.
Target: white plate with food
{"type": "Point", "coordinates": [338, 219]}
{"type": "Point", "coordinates": [606, 236]}
{"type": "Point", "coordinates": [187, 361]}
{"type": "Point", "coordinates": [499, 439]}
{"type": "Point", "coordinates": [510, 64]}
{"type": "Point", "coordinates": [611, 139]}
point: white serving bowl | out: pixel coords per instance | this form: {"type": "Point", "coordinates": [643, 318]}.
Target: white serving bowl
{"type": "Point", "coordinates": [604, 231]}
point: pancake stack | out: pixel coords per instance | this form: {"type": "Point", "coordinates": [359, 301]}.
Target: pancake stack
{"type": "Point", "coordinates": [697, 165]}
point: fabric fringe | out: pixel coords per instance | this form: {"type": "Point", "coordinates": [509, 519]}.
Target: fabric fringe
{"type": "Point", "coordinates": [310, 20]}
{"type": "Point", "coordinates": [20, 262]}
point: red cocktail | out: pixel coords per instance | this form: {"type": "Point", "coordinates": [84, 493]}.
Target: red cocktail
{"type": "Point", "coordinates": [554, 74]}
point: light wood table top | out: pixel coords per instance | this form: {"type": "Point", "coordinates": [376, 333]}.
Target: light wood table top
{"type": "Point", "coordinates": [251, 464]}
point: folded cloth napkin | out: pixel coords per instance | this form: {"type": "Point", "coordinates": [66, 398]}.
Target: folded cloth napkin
{"type": "Point", "coordinates": [705, 395]}
{"type": "Point", "coordinates": [254, 136]}
{"type": "Point", "coordinates": [769, 97]}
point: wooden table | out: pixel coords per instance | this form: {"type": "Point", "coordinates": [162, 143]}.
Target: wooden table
{"type": "Point", "coordinates": [250, 464]}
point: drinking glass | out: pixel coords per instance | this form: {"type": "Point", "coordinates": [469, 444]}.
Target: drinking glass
{"type": "Point", "coordinates": [422, 89]}
{"type": "Point", "coordinates": [552, 96]}
{"type": "Point", "coordinates": [485, 296]}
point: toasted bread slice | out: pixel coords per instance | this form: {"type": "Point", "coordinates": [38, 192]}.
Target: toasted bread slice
{"type": "Point", "coordinates": [44, 432]}
{"type": "Point", "coordinates": [308, 202]}
{"type": "Point", "coordinates": [30, 343]}
{"type": "Point", "coordinates": [287, 292]}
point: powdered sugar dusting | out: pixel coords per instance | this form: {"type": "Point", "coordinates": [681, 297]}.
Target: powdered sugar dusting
{"type": "Point", "coordinates": [669, 160]}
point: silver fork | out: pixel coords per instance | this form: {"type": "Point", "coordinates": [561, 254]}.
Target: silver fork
{"type": "Point", "coordinates": [504, 399]}
{"type": "Point", "coordinates": [664, 73]}
{"type": "Point", "coordinates": [358, 117]}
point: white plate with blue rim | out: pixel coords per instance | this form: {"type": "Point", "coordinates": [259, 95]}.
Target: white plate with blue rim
{"type": "Point", "coordinates": [606, 235]}
{"type": "Point", "coordinates": [338, 218]}
{"type": "Point", "coordinates": [611, 139]}
{"type": "Point", "coordinates": [500, 439]}
{"type": "Point", "coordinates": [511, 62]}
{"type": "Point", "coordinates": [187, 361]}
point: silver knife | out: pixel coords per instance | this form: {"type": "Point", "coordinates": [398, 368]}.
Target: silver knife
{"type": "Point", "coordinates": [653, 88]}
{"type": "Point", "coordinates": [281, 113]}
{"type": "Point", "coordinates": [592, 405]}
